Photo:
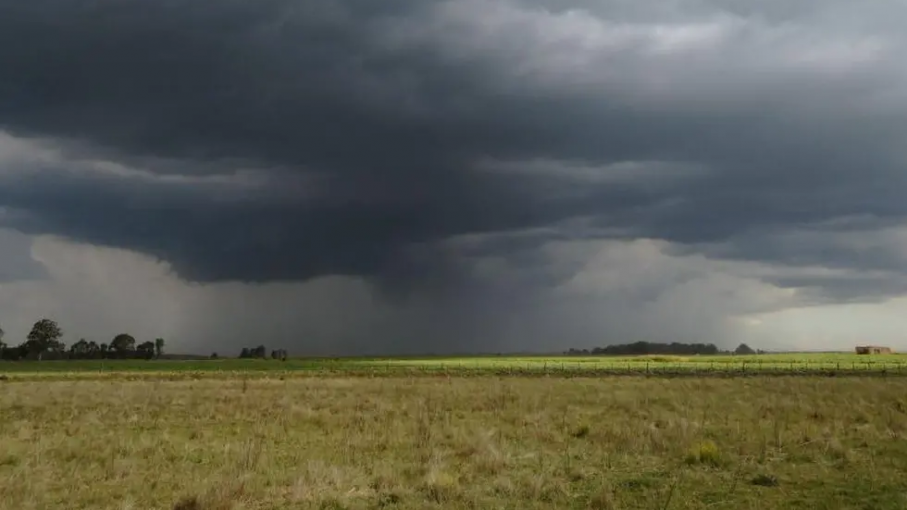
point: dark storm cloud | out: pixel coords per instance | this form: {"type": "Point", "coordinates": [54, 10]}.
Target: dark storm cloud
{"type": "Point", "coordinates": [387, 113]}
{"type": "Point", "coordinates": [820, 290]}
{"type": "Point", "coordinates": [256, 240]}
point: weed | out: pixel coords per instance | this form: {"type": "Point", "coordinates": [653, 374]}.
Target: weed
{"type": "Point", "coordinates": [764, 480]}
{"type": "Point", "coordinates": [705, 452]}
{"type": "Point", "coordinates": [580, 432]}
{"type": "Point", "coordinates": [440, 486]}
{"type": "Point", "coordinates": [603, 499]}
{"type": "Point", "coordinates": [188, 503]}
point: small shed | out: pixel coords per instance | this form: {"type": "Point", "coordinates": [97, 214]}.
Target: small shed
{"type": "Point", "coordinates": [873, 349]}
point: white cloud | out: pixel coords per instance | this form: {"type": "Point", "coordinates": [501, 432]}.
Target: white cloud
{"type": "Point", "coordinates": [830, 327]}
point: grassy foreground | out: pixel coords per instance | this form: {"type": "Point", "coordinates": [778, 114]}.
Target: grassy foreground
{"type": "Point", "coordinates": [482, 442]}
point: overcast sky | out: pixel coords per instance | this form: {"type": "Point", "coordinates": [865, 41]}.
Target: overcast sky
{"type": "Point", "coordinates": [357, 176]}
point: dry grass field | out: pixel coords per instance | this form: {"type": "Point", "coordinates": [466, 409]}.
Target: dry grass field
{"type": "Point", "coordinates": [480, 443]}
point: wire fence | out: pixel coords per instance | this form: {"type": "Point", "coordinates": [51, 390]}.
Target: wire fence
{"type": "Point", "coordinates": [633, 368]}
{"type": "Point", "coordinates": [467, 368]}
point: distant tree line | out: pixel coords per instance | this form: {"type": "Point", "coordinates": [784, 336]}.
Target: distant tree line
{"type": "Point", "coordinates": [645, 348]}
{"type": "Point", "coordinates": [43, 343]}
{"type": "Point", "coordinates": [261, 352]}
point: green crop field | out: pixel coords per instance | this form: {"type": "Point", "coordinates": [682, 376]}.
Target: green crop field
{"type": "Point", "coordinates": [775, 364]}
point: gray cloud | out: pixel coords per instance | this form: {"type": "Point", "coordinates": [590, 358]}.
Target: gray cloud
{"type": "Point", "coordinates": [402, 141]}
{"type": "Point", "coordinates": [615, 291]}
{"type": "Point", "coordinates": [15, 252]}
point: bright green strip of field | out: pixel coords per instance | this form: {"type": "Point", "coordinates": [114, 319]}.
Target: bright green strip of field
{"type": "Point", "coordinates": [498, 364]}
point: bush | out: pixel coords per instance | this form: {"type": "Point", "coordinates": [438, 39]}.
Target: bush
{"type": "Point", "coordinates": [765, 481]}
{"type": "Point", "coordinates": [706, 453]}
{"type": "Point", "coordinates": [580, 432]}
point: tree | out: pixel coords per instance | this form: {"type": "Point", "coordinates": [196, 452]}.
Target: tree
{"type": "Point", "coordinates": [14, 353]}
{"type": "Point", "coordinates": [79, 349]}
{"type": "Point", "coordinates": [158, 346]}
{"type": "Point", "coordinates": [2, 345]}
{"type": "Point", "coordinates": [245, 353]}
{"type": "Point", "coordinates": [643, 348]}
{"type": "Point", "coordinates": [146, 350]}
{"type": "Point", "coordinates": [59, 349]}
{"type": "Point", "coordinates": [744, 350]}
{"type": "Point", "coordinates": [44, 336]}
{"type": "Point", "coordinates": [123, 343]}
